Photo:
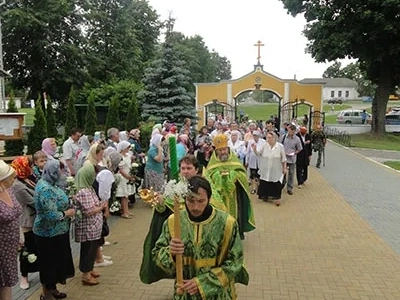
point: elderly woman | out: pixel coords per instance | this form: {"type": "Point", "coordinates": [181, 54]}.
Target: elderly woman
{"type": "Point", "coordinates": [88, 228]}
{"type": "Point", "coordinates": [24, 189]}
{"type": "Point", "coordinates": [272, 168]}
{"type": "Point", "coordinates": [49, 146]}
{"type": "Point", "coordinates": [237, 146]}
{"type": "Point", "coordinates": [203, 145]}
{"type": "Point", "coordinates": [51, 229]}
{"type": "Point", "coordinates": [154, 170]}
{"type": "Point", "coordinates": [84, 142]}
{"type": "Point", "coordinates": [124, 190]}
{"type": "Point", "coordinates": [10, 212]}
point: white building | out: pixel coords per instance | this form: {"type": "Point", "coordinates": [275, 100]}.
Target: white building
{"type": "Point", "coordinates": [335, 88]}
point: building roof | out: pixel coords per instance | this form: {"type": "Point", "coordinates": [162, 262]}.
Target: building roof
{"type": "Point", "coordinates": [331, 82]}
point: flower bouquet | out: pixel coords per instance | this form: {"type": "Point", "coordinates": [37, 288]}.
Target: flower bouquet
{"type": "Point", "coordinates": [24, 254]}
{"type": "Point", "coordinates": [71, 191]}
{"type": "Point", "coordinates": [173, 191]}
{"type": "Point", "coordinates": [115, 204]}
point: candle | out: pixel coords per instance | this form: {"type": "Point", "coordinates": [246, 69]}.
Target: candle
{"type": "Point", "coordinates": [174, 172]}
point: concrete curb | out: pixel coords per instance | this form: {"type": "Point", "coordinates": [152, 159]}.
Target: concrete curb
{"type": "Point", "coordinates": [366, 158]}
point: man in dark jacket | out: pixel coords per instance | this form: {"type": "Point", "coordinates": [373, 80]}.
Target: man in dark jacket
{"type": "Point", "coordinates": [303, 157]}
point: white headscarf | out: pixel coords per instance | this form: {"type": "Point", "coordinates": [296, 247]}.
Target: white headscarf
{"type": "Point", "coordinates": [122, 146]}
{"type": "Point", "coordinates": [156, 139]}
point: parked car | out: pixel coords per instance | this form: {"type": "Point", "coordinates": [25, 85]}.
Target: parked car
{"type": "Point", "coordinates": [335, 101]}
{"type": "Point", "coordinates": [366, 99]}
{"type": "Point", "coordinates": [352, 116]}
{"type": "Point", "coordinates": [393, 117]}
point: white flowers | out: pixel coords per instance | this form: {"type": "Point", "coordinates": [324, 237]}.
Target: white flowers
{"type": "Point", "coordinates": [115, 206]}
{"type": "Point", "coordinates": [132, 148]}
{"type": "Point", "coordinates": [174, 189]}
{"type": "Point", "coordinates": [70, 180]}
{"type": "Point", "coordinates": [32, 258]}
{"type": "Point", "coordinates": [135, 165]}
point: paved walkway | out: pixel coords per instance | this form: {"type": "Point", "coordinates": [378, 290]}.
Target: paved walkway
{"type": "Point", "coordinates": [370, 188]}
{"type": "Point", "coordinates": [378, 155]}
{"type": "Point", "coordinates": [315, 246]}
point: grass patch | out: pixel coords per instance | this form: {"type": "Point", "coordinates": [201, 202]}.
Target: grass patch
{"type": "Point", "coordinates": [264, 111]}
{"type": "Point", "coordinates": [393, 164]}
{"type": "Point", "coordinates": [30, 114]}
{"type": "Point", "coordinates": [387, 142]}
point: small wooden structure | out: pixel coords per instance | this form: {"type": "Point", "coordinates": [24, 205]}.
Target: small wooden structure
{"type": "Point", "coordinates": [11, 126]}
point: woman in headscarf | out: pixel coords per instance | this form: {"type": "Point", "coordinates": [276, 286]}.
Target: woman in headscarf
{"type": "Point", "coordinates": [154, 170]}
{"type": "Point", "coordinates": [84, 142]}
{"type": "Point", "coordinates": [88, 228]}
{"type": "Point", "coordinates": [124, 189]}
{"type": "Point", "coordinates": [49, 146]}
{"type": "Point", "coordinates": [51, 229]}
{"type": "Point", "coordinates": [24, 189]}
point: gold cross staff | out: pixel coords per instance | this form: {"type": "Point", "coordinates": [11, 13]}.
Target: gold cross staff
{"type": "Point", "coordinates": [259, 45]}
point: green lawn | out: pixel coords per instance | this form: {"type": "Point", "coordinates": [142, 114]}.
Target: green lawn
{"type": "Point", "coordinates": [393, 164]}
{"type": "Point", "coordinates": [387, 142]}
{"type": "Point", "coordinates": [263, 112]}
{"type": "Point", "coordinates": [30, 113]}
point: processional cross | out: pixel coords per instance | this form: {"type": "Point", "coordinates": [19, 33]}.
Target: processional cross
{"type": "Point", "coordinates": [259, 45]}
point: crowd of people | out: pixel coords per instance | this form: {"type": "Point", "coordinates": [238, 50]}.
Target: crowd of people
{"type": "Point", "coordinates": [45, 198]}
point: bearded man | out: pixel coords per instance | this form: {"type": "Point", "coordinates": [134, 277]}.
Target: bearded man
{"type": "Point", "coordinates": [228, 179]}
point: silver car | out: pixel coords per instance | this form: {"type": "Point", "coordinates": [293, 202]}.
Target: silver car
{"type": "Point", "coordinates": [352, 116]}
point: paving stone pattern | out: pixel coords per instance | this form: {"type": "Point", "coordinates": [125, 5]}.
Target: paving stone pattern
{"type": "Point", "coordinates": [371, 189]}
{"type": "Point", "coordinates": [315, 246]}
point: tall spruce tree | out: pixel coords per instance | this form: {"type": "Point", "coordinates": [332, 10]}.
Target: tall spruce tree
{"type": "Point", "coordinates": [165, 93]}
{"type": "Point", "coordinates": [132, 118]}
{"type": "Point", "coordinates": [13, 147]}
{"type": "Point", "coordinates": [51, 119]}
{"type": "Point", "coordinates": [71, 121]}
{"type": "Point", "coordinates": [91, 116]}
{"type": "Point", "coordinates": [113, 114]}
{"type": "Point", "coordinates": [39, 130]}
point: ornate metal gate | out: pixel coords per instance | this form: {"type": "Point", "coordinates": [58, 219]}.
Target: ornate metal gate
{"type": "Point", "coordinates": [316, 118]}
{"type": "Point", "coordinates": [287, 112]}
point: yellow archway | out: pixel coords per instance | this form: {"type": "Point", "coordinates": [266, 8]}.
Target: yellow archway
{"type": "Point", "coordinates": [219, 97]}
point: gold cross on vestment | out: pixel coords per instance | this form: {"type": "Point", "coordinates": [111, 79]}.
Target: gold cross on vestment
{"type": "Point", "coordinates": [259, 45]}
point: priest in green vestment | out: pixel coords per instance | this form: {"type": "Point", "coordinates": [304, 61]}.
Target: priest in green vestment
{"type": "Point", "coordinates": [149, 271]}
{"type": "Point", "coordinates": [211, 248]}
{"type": "Point", "coordinates": [229, 184]}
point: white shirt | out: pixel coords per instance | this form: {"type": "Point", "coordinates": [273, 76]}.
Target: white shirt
{"type": "Point", "coordinates": [70, 150]}
{"type": "Point", "coordinates": [271, 159]}
{"type": "Point", "coordinates": [252, 160]}
{"type": "Point", "coordinates": [238, 148]}
{"type": "Point", "coordinates": [105, 178]}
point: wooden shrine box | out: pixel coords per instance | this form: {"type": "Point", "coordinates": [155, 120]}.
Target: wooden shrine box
{"type": "Point", "coordinates": [11, 126]}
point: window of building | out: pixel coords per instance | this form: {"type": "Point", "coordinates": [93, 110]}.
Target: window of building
{"type": "Point", "coordinates": [347, 94]}
{"type": "Point", "coordinates": [332, 94]}
{"type": "Point", "coordinates": [340, 94]}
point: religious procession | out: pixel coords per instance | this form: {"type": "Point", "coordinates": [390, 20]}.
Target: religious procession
{"type": "Point", "coordinates": [199, 186]}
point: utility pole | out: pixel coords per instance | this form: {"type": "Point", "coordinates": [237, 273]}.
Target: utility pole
{"type": "Point", "coordinates": [2, 87]}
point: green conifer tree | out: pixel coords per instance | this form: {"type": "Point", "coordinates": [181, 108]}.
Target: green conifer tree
{"type": "Point", "coordinates": [71, 121]}
{"type": "Point", "coordinates": [14, 147]}
{"type": "Point", "coordinates": [132, 118]}
{"type": "Point", "coordinates": [51, 120]}
{"type": "Point", "coordinates": [39, 130]}
{"type": "Point", "coordinates": [113, 114]}
{"type": "Point", "coordinates": [91, 116]}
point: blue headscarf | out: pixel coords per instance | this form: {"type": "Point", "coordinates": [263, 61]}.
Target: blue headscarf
{"type": "Point", "coordinates": [52, 172]}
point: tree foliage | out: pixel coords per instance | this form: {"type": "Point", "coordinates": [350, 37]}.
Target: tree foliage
{"type": "Point", "coordinates": [351, 71]}
{"type": "Point", "coordinates": [165, 94]}
{"type": "Point", "coordinates": [132, 118]}
{"type": "Point", "coordinates": [358, 29]}
{"type": "Point", "coordinates": [39, 130]}
{"type": "Point", "coordinates": [113, 119]}
{"type": "Point", "coordinates": [51, 119]}
{"type": "Point", "coordinates": [13, 147]}
{"type": "Point", "coordinates": [91, 116]}
{"type": "Point", "coordinates": [71, 121]}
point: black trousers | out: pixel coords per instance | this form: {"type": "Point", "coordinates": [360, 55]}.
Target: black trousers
{"type": "Point", "coordinates": [88, 255]}
{"type": "Point", "coordinates": [301, 173]}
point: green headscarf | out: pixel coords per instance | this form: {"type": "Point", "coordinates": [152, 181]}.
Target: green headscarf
{"type": "Point", "coordinates": [85, 177]}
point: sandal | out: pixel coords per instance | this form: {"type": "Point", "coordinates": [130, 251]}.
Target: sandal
{"type": "Point", "coordinates": [126, 216]}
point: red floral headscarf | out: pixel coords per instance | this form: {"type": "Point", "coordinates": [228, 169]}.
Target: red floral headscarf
{"type": "Point", "coordinates": [22, 167]}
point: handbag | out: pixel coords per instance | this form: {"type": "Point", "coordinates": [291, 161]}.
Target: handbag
{"type": "Point", "coordinates": [105, 230]}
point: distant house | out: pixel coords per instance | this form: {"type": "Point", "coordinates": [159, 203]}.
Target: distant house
{"type": "Point", "coordinates": [335, 88]}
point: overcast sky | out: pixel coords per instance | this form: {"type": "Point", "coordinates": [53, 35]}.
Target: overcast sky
{"type": "Point", "coordinates": [232, 28]}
